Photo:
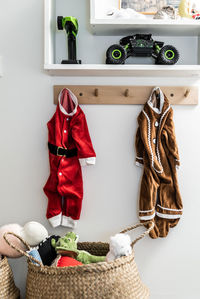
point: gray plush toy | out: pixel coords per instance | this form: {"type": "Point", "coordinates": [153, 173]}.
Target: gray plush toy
{"type": "Point", "coordinates": [167, 12]}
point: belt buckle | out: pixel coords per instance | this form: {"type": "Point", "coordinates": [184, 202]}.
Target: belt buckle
{"type": "Point", "coordinates": [57, 153]}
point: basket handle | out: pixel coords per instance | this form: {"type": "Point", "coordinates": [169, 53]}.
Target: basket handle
{"type": "Point", "coordinates": [142, 235]}
{"type": "Point", "coordinates": [5, 236]}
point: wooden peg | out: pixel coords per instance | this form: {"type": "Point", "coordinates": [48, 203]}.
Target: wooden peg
{"type": "Point", "coordinates": [126, 93]}
{"type": "Point", "coordinates": [187, 93]}
{"type": "Point", "coordinates": [96, 92]}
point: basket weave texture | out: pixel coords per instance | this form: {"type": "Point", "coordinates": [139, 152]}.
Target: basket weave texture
{"type": "Point", "coordinates": [8, 290]}
{"type": "Point", "coordinates": [119, 279]}
{"type": "Point", "coordinates": [114, 280]}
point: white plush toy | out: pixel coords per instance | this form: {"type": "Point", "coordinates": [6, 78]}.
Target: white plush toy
{"type": "Point", "coordinates": [32, 232]}
{"type": "Point", "coordinates": [120, 245]}
{"type": "Point", "coordinates": [122, 13]}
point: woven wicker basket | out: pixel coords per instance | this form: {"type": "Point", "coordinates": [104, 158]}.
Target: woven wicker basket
{"type": "Point", "coordinates": [115, 280]}
{"type": "Point", "coordinates": [8, 290]}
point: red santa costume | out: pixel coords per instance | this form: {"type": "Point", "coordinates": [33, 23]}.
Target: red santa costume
{"type": "Point", "coordinates": [70, 147]}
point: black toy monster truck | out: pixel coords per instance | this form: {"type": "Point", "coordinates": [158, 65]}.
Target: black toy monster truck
{"type": "Point", "coordinates": [141, 45]}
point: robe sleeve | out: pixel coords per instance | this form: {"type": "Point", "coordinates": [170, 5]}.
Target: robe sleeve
{"type": "Point", "coordinates": [139, 146]}
{"type": "Point", "coordinates": [170, 138]}
{"type": "Point", "coordinates": [81, 136]}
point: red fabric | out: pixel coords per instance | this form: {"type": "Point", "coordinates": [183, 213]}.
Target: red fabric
{"type": "Point", "coordinates": [66, 261]}
{"type": "Point", "coordinates": [67, 102]}
{"type": "Point", "coordinates": [64, 187]}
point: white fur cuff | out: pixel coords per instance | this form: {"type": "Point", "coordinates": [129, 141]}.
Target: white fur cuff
{"type": "Point", "coordinates": [87, 161]}
{"type": "Point", "coordinates": [68, 222]}
{"type": "Point", "coordinates": [56, 220]}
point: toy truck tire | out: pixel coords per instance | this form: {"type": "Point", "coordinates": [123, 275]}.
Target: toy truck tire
{"type": "Point", "coordinates": [168, 55]}
{"type": "Point", "coordinates": [116, 54]}
{"type": "Point", "coordinates": [59, 23]}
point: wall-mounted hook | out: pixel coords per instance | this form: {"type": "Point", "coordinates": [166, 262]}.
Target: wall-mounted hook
{"type": "Point", "coordinates": [96, 92]}
{"type": "Point", "coordinates": [126, 93]}
{"type": "Point", "coordinates": [187, 93]}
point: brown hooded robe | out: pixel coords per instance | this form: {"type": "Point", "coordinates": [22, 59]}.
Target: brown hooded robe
{"type": "Point", "coordinates": [157, 151]}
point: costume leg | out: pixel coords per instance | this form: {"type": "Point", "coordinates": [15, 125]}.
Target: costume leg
{"type": "Point", "coordinates": [169, 207]}
{"type": "Point", "coordinates": [54, 208]}
{"type": "Point", "coordinates": [147, 202]}
{"type": "Point", "coordinates": [72, 191]}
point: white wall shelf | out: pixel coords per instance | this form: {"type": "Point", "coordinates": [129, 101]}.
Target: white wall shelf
{"type": "Point", "coordinates": [123, 70]}
{"type": "Point", "coordinates": [102, 24]}
{"type": "Point", "coordinates": [156, 27]}
{"type": "Point", "coordinates": [185, 38]}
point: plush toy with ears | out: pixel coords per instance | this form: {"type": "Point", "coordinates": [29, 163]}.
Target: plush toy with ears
{"type": "Point", "coordinates": [67, 246]}
{"type": "Point", "coordinates": [120, 245]}
{"type": "Point", "coordinates": [32, 232]}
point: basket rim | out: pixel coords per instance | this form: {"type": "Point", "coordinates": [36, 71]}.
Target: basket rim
{"type": "Point", "coordinates": [93, 267]}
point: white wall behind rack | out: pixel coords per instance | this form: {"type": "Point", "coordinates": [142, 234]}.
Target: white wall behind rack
{"type": "Point", "coordinates": [169, 267]}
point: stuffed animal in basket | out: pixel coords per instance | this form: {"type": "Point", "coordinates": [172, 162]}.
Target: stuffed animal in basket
{"type": "Point", "coordinates": [32, 232]}
{"type": "Point", "coordinates": [66, 261]}
{"type": "Point", "coordinates": [120, 245]}
{"type": "Point", "coordinates": [67, 246]}
{"type": "Point", "coordinates": [45, 252]}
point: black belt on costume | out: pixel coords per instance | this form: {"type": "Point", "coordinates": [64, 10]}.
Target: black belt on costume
{"type": "Point", "coordinates": [61, 151]}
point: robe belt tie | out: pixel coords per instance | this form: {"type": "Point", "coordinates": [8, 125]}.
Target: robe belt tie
{"type": "Point", "coordinates": [61, 151]}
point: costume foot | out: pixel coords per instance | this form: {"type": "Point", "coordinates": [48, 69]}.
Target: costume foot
{"type": "Point", "coordinates": [163, 226]}
{"type": "Point", "coordinates": [154, 233]}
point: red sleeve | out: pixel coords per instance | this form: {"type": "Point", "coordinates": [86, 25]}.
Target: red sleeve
{"type": "Point", "coordinates": [81, 136]}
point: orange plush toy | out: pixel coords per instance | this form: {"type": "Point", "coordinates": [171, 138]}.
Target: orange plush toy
{"type": "Point", "coordinates": [157, 151]}
{"type": "Point", "coordinates": [66, 261]}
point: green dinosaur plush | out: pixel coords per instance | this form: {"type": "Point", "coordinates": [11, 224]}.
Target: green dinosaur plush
{"type": "Point", "coordinates": [67, 246]}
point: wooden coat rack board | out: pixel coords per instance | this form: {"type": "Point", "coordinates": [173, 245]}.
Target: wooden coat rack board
{"type": "Point", "coordinates": [128, 95]}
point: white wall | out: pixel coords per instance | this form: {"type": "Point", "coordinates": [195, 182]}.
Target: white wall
{"type": "Point", "coordinates": [170, 267]}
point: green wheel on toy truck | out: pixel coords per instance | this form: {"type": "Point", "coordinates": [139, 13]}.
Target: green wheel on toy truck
{"type": "Point", "coordinates": [168, 55]}
{"type": "Point", "coordinates": [116, 54]}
